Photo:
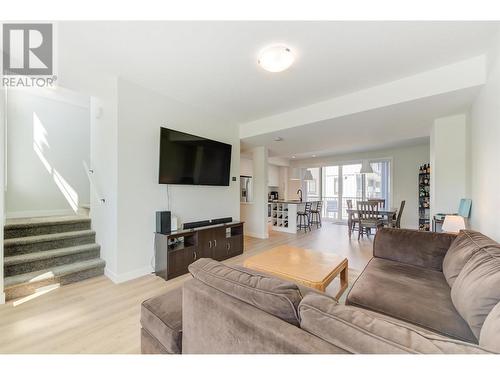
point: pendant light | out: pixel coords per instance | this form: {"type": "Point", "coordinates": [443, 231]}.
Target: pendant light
{"type": "Point", "coordinates": [308, 176]}
{"type": "Point", "coordinates": [366, 167]}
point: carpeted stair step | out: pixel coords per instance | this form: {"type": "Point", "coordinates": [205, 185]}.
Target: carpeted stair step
{"type": "Point", "coordinates": [29, 262]}
{"type": "Point", "coordinates": [15, 228]}
{"type": "Point", "coordinates": [27, 283]}
{"type": "Point", "coordinates": [43, 242]}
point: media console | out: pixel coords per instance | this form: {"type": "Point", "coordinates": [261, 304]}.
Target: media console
{"type": "Point", "coordinates": [174, 252]}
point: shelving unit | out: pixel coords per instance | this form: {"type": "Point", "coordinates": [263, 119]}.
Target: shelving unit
{"type": "Point", "coordinates": [424, 180]}
{"type": "Point", "coordinates": [284, 217]}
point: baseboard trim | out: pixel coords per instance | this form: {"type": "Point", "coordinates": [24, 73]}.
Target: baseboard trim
{"type": "Point", "coordinates": [123, 277]}
{"type": "Point", "coordinates": [23, 214]}
{"type": "Point", "coordinates": [257, 235]}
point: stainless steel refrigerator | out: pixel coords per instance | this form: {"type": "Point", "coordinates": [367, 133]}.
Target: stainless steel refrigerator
{"type": "Point", "coordinates": [245, 188]}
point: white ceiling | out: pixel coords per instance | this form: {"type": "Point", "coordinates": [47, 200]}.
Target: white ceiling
{"type": "Point", "coordinates": [212, 65]}
{"type": "Point", "coordinates": [395, 125]}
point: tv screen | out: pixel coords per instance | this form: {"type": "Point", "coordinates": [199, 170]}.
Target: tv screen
{"type": "Point", "coordinates": [190, 160]}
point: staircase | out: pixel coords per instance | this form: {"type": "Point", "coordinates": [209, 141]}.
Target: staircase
{"type": "Point", "coordinates": [45, 251]}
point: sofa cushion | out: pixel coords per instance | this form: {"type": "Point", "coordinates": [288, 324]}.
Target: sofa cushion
{"type": "Point", "coordinates": [361, 331]}
{"type": "Point", "coordinates": [476, 290]}
{"type": "Point", "coordinates": [490, 333]}
{"type": "Point", "coordinates": [420, 296]}
{"type": "Point", "coordinates": [415, 247]}
{"type": "Point", "coordinates": [275, 296]}
{"type": "Point", "coordinates": [466, 244]}
{"type": "Point", "coordinates": [161, 317]}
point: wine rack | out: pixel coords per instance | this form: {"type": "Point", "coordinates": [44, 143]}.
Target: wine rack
{"type": "Point", "coordinates": [424, 184]}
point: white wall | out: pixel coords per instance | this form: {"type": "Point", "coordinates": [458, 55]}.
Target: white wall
{"type": "Point", "coordinates": [141, 112]}
{"type": "Point", "coordinates": [48, 139]}
{"type": "Point", "coordinates": [485, 150]}
{"type": "Point", "coordinates": [254, 214]}
{"type": "Point", "coordinates": [405, 164]}
{"type": "Point", "coordinates": [448, 163]}
{"type": "Point", "coordinates": [103, 152]}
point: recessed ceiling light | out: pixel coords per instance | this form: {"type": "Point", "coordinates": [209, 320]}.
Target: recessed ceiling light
{"type": "Point", "coordinates": [314, 156]}
{"type": "Point", "coordinates": [293, 157]}
{"type": "Point", "coordinates": [276, 58]}
{"type": "Point", "coordinates": [278, 139]}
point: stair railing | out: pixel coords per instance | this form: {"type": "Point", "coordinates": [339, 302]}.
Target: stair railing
{"type": "Point", "coordinates": [90, 174]}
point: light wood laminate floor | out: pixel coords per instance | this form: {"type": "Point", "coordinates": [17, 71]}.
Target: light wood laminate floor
{"type": "Point", "coordinates": [97, 316]}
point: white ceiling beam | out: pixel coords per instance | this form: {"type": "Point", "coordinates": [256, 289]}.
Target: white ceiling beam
{"type": "Point", "coordinates": [457, 76]}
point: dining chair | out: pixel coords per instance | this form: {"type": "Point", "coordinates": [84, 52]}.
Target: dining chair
{"type": "Point", "coordinates": [316, 214]}
{"type": "Point", "coordinates": [368, 217]}
{"type": "Point", "coordinates": [354, 215]}
{"type": "Point", "coordinates": [380, 202]}
{"type": "Point", "coordinates": [304, 218]}
{"type": "Point", "coordinates": [397, 223]}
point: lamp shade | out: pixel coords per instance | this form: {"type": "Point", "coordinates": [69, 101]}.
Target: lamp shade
{"type": "Point", "coordinates": [295, 174]}
{"type": "Point", "coordinates": [453, 223]}
{"type": "Point", "coordinates": [308, 175]}
{"type": "Point", "coordinates": [366, 167]}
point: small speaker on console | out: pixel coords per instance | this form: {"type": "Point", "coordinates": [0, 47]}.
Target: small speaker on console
{"type": "Point", "coordinates": [163, 225]}
{"type": "Point", "coordinates": [221, 220]}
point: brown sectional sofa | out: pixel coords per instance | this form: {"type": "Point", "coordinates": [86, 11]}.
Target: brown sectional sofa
{"type": "Point", "coordinates": [421, 293]}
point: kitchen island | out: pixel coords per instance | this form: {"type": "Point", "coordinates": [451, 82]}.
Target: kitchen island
{"type": "Point", "coordinates": [284, 214]}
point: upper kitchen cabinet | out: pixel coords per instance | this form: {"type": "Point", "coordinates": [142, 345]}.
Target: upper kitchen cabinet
{"type": "Point", "coordinates": [273, 175]}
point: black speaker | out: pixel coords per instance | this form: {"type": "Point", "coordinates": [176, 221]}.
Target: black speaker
{"type": "Point", "coordinates": [222, 220]}
{"type": "Point", "coordinates": [163, 225]}
{"type": "Point", "coordinates": [196, 224]}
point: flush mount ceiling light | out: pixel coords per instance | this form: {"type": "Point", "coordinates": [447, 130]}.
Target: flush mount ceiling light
{"type": "Point", "coordinates": [276, 58]}
{"type": "Point", "coordinates": [278, 139]}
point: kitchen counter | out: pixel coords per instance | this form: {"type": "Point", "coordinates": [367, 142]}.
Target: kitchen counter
{"type": "Point", "coordinates": [284, 214]}
{"type": "Point", "coordinates": [293, 201]}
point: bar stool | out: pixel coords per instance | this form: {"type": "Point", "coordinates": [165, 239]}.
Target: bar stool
{"type": "Point", "coordinates": [316, 214]}
{"type": "Point", "coordinates": [304, 218]}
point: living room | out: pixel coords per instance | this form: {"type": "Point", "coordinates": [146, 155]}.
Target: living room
{"type": "Point", "coordinates": [251, 187]}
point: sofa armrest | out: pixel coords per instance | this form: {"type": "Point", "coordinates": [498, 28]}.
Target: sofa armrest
{"type": "Point", "coordinates": [418, 248]}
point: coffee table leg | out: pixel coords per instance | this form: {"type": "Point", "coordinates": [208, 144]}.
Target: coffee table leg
{"type": "Point", "coordinates": [344, 281]}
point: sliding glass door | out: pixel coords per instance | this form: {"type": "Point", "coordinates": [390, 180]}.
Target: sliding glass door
{"type": "Point", "coordinates": [331, 192]}
{"type": "Point", "coordinates": [352, 186]}
{"type": "Point", "coordinates": [336, 184]}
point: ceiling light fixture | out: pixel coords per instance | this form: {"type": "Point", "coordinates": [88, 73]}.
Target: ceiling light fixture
{"type": "Point", "coordinates": [278, 139]}
{"type": "Point", "coordinates": [276, 58]}
{"type": "Point", "coordinates": [314, 156]}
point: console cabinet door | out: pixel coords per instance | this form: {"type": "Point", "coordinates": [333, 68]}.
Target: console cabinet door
{"type": "Point", "coordinates": [234, 245]}
{"type": "Point", "coordinates": [205, 244]}
{"type": "Point", "coordinates": [178, 261]}
{"type": "Point", "coordinates": [219, 243]}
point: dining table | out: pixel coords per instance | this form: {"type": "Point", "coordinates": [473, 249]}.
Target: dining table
{"type": "Point", "coordinates": [385, 215]}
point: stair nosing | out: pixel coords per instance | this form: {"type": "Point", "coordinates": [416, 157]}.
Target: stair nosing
{"type": "Point", "coordinates": [47, 237]}
{"type": "Point", "coordinates": [88, 264]}
{"type": "Point", "coordinates": [47, 254]}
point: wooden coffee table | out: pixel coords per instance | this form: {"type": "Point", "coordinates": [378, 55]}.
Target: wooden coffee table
{"type": "Point", "coordinates": [311, 268]}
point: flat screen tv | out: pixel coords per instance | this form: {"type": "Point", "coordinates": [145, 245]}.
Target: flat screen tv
{"type": "Point", "coordinates": [187, 159]}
